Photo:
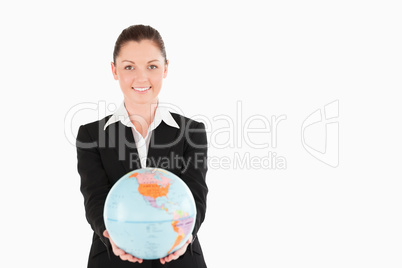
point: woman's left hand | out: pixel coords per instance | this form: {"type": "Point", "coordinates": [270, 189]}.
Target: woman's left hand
{"type": "Point", "coordinates": [175, 255]}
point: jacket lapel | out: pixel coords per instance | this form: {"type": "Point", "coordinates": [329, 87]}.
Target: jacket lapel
{"type": "Point", "coordinates": [122, 141]}
{"type": "Point", "coordinates": [163, 138]}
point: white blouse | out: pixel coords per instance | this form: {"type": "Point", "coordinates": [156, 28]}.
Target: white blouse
{"type": "Point", "coordinates": [142, 143]}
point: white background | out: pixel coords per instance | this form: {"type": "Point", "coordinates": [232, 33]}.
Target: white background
{"type": "Point", "coordinates": [275, 58]}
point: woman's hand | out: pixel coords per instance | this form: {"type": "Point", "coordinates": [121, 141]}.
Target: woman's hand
{"type": "Point", "coordinates": [119, 252]}
{"type": "Point", "coordinates": [175, 255]}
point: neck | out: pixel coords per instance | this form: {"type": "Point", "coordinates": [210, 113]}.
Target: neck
{"type": "Point", "coordinates": [141, 111]}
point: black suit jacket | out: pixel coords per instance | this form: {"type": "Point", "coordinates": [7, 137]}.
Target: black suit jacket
{"type": "Point", "coordinates": [104, 156]}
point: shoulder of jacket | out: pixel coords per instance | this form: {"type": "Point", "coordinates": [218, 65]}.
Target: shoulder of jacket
{"type": "Point", "coordinates": [184, 121]}
{"type": "Point", "coordinates": [97, 124]}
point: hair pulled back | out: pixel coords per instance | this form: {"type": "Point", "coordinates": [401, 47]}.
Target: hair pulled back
{"type": "Point", "coordinates": [138, 33]}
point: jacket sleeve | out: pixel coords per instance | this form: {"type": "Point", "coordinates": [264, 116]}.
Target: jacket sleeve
{"type": "Point", "coordinates": [194, 172]}
{"type": "Point", "coordinates": [95, 184]}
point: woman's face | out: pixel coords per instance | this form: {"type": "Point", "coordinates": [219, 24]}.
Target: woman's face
{"type": "Point", "coordinates": [140, 69]}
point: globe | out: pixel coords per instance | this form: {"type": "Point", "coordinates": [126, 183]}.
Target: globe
{"type": "Point", "coordinates": [149, 213]}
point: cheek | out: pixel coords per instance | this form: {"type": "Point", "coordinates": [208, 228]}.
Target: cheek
{"type": "Point", "coordinates": [157, 78]}
{"type": "Point", "coordinates": [125, 80]}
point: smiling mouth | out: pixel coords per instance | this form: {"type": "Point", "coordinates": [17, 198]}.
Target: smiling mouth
{"type": "Point", "coordinates": [141, 89]}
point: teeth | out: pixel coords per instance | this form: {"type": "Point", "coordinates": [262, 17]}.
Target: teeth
{"type": "Point", "coordinates": [141, 88]}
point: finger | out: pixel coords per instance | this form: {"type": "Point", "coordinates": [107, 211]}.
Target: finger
{"type": "Point", "coordinates": [106, 234]}
{"type": "Point", "coordinates": [118, 251]}
{"type": "Point", "coordinates": [177, 254]}
{"type": "Point", "coordinates": [166, 259]}
{"type": "Point", "coordinates": [170, 257]}
{"type": "Point", "coordinates": [125, 257]}
{"type": "Point", "coordinates": [128, 257]}
{"type": "Point", "coordinates": [134, 259]}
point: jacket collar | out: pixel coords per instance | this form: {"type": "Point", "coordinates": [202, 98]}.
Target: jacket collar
{"type": "Point", "coordinates": [161, 114]}
{"type": "Point", "coordinates": [121, 139]}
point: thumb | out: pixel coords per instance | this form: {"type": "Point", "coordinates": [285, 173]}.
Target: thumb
{"type": "Point", "coordinates": [106, 234]}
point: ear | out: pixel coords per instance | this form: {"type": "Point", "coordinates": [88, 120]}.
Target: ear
{"type": "Point", "coordinates": [114, 71]}
{"type": "Point", "coordinates": [165, 71]}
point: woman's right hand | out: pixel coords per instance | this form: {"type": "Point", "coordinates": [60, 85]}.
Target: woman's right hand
{"type": "Point", "coordinates": [119, 252]}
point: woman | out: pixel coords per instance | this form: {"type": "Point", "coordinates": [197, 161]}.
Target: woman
{"type": "Point", "coordinates": [140, 134]}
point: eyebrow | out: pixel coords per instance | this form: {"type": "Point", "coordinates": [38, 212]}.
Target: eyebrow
{"type": "Point", "coordinates": [134, 62]}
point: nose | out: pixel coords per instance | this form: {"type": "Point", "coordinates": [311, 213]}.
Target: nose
{"type": "Point", "coordinates": [140, 76]}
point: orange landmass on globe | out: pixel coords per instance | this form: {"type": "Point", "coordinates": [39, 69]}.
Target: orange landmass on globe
{"type": "Point", "coordinates": [179, 237]}
{"type": "Point", "coordinates": [153, 190]}
{"type": "Point", "coordinates": [150, 186]}
{"type": "Point", "coordinates": [133, 175]}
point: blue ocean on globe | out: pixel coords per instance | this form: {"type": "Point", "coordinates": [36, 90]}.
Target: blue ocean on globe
{"type": "Point", "coordinates": [149, 213]}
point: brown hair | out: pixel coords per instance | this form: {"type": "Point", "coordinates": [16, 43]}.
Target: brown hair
{"type": "Point", "coordinates": [138, 33]}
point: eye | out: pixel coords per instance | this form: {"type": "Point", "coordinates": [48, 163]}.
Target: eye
{"type": "Point", "coordinates": [129, 68]}
{"type": "Point", "coordinates": [152, 67]}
